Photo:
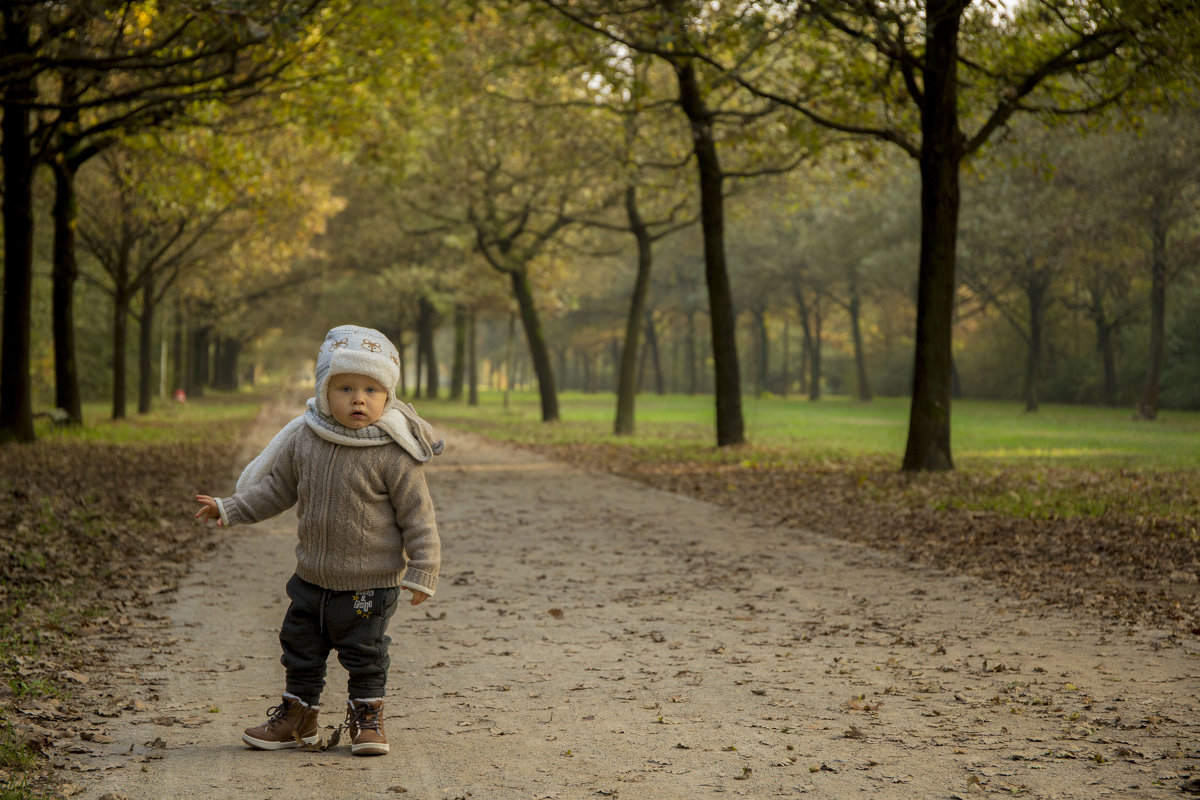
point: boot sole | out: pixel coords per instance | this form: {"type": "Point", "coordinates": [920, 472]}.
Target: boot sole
{"type": "Point", "coordinates": [263, 744]}
{"type": "Point", "coordinates": [374, 749]}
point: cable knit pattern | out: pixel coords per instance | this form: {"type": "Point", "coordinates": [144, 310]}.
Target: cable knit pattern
{"type": "Point", "coordinates": [365, 516]}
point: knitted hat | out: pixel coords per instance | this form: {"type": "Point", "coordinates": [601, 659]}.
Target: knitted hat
{"type": "Point", "coordinates": [362, 351]}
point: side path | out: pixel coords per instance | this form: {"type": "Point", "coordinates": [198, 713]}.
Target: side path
{"type": "Point", "coordinates": [596, 638]}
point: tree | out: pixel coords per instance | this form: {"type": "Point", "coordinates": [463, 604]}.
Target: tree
{"type": "Point", "coordinates": [674, 31]}
{"type": "Point", "coordinates": [117, 66]}
{"type": "Point", "coordinates": [938, 80]}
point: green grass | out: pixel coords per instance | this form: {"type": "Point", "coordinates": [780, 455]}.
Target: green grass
{"type": "Point", "coordinates": [217, 414]}
{"type": "Point", "coordinates": [984, 434]}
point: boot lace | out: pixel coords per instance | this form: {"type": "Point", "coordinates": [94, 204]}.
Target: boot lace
{"type": "Point", "coordinates": [277, 714]}
{"type": "Point", "coordinates": [364, 717]}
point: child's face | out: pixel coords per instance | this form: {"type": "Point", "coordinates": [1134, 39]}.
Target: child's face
{"type": "Point", "coordinates": [356, 401]}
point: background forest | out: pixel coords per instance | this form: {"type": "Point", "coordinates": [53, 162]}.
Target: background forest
{"type": "Point", "coordinates": [666, 197]}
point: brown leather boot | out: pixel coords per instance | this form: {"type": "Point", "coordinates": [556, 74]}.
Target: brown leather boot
{"type": "Point", "coordinates": [290, 717]}
{"type": "Point", "coordinates": [364, 721]}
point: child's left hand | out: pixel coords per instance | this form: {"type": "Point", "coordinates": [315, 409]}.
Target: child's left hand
{"type": "Point", "coordinates": [418, 596]}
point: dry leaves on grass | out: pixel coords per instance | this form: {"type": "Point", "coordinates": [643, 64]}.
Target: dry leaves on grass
{"type": "Point", "coordinates": [95, 534]}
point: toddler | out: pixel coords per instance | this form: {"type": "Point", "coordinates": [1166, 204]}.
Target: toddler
{"type": "Point", "coordinates": [352, 466]}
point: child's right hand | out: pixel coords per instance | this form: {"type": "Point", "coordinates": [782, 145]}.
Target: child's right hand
{"type": "Point", "coordinates": [208, 509]}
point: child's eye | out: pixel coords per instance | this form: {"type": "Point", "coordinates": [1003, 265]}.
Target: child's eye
{"type": "Point", "coordinates": [370, 390]}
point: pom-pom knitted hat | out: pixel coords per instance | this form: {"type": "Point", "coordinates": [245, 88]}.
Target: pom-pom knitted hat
{"type": "Point", "coordinates": [361, 351]}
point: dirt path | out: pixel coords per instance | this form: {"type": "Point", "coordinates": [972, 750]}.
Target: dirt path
{"type": "Point", "coordinates": [596, 638]}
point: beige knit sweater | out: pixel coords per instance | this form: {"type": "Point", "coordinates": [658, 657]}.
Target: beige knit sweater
{"type": "Point", "coordinates": [366, 519]}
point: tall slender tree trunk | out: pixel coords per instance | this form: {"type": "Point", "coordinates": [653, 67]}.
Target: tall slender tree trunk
{"type": "Point", "coordinates": [509, 353]}
{"type": "Point", "coordinates": [199, 360]}
{"type": "Point", "coordinates": [177, 337]}
{"type": "Point", "coordinates": [727, 382]}
{"type": "Point", "coordinates": [655, 353]}
{"type": "Point", "coordinates": [16, 388]}
{"type": "Point", "coordinates": [860, 356]}
{"type": "Point", "coordinates": [814, 357]}
{"type": "Point", "coordinates": [536, 340]}
{"type": "Point", "coordinates": [928, 446]}
{"type": "Point", "coordinates": [472, 363]}
{"type": "Point", "coordinates": [786, 379]}
{"type": "Point", "coordinates": [425, 331]}
{"type": "Point", "coordinates": [1108, 356]}
{"type": "Point", "coordinates": [627, 372]}
{"type": "Point", "coordinates": [762, 340]}
{"type": "Point", "coordinates": [1036, 295]}
{"type": "Point", "coordinates": [693, 369]}
{"type": "Point", "coordinates": [66, 273]}
{"type": "Point", "coordinates": [146, 346]}
{"type": "Point", "coordinates": [1147, 407]}
{"type": "Point", "coordinates": [458, 371]}
{"type": "Point", "coordinates": [120, 341]}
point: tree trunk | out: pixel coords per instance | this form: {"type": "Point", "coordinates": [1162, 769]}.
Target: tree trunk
{"type": "Point", "coordinates": [66, 272]}
{"type": "Point", "coordinates": [1036, 294]}
{"type": "Point", "coordinates": [16, 387]}
{"type": "Point", "coordinates": [814, 357]}
{"type": "Point", "coordinates": [928, 446]}
{"type": "Point", "coordinates": [627, 372]}
{"type": "Point", "coordinates": [425, 331]}
{"type": "Point", "coordinates": [536, 340]}
{"type": "Point", "coordinates": [509, 353]}
{"type": "Point", "coordinates": [120, 339]}
{"type": "Point", "coordinates": [1147, 407]}
{"type": "Point", "coordinates": [652, 347]}
{"type": "Point", "coordinates": [786, 379]}
{"type": "Point", "coordinates": [458, 372]}
{"type": "Point", "coordinates": [472, 362]}
{"type": "Point", "coordinates": [693, 368]}
{"type": "Point", "coordinates": [860, 357]}
{"type": "Point", "coordinates": [727, 382]}
{"type": "Point", "coordinates": [1108, 356]}
{"type": "Point", "coordinates": [762, 339]}
{"type": "Point", "coordinates": [177, 337]}
{"type": "Point", "coordinates": [199, 361]}
{"type": "Point", "coordinates": [229, 351]}
{"type": "Point", "coordinates": [146, 346]}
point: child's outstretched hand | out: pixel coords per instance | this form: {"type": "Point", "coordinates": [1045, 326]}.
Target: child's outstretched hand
{"type": "Point", "coordinates": [208, 509]}
{"type": "Point", "coordinates": [418, 596]}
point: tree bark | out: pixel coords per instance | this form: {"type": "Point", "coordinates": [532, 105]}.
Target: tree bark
{"type": "Point", "coordinates": [66, 273]}
{"type": "Point", "coordinates": [1147, 407]}
{"type": "Point", "coordinates": [120, 340]}
{"type": "Point", "coordinates": [536, 340]}
{"type": "Point", "coordinates": [472, 362]}
{"type": "Point", "coordinates": [942, 151]}
{"type": "Point", "coordinates": [652, 347]}
{"type": "Point", "coordinates": [425, 331]}
{"type": "Point", "coordinates": [727, 382]}
{"type": "Point", "coordinates": [1108, 356]}
{"type": "Point", "coordinates": [146, 346]}
{"type": "Point", "coordinates": [814, 357]}
{"type": "Point", "coordinates": [860, 357]}
{"type": "Point", "coordinates": [762, 339]}
{"type": "Point", "coordinates": [16, 387]}
{"type": "Point", "coordinates": [1036, 295]}
{"type": "Point", "coordinates": [627, 371]}
{"type": "Point", "coordinates": [459, 368]}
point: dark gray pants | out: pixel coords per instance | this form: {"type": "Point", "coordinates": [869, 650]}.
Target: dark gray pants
{"type": "Point", "coordinates": [353, 623]}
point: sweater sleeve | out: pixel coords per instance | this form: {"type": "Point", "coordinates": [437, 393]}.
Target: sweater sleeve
{"type": "Point", "coordinates": [273, 494]}
{"type": "Point", "coordinates": [414, 515]}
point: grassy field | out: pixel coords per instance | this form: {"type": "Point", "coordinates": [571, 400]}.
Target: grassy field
{"type": "Point", "coordinates": [216, 415]}
{"type": "Point", "coordinates": [984, 435]}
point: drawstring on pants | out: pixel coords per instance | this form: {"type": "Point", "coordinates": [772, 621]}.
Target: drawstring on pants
{"type": "Point", "coordinates": [324, 599]}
